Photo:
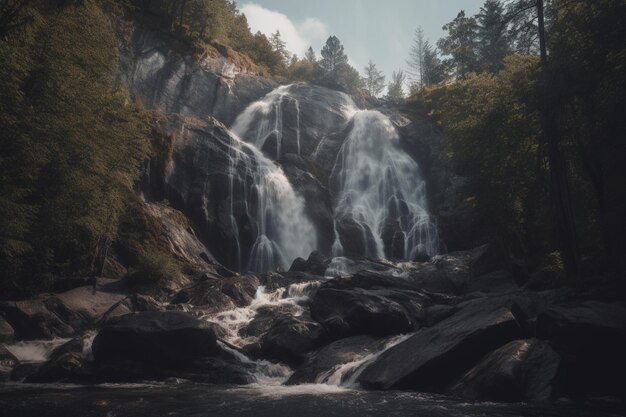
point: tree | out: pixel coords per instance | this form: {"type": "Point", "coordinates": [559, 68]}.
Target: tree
{"type": "Point", "coordinates": [333, 57]}
{"type": "Point", "coordinates": [310, 55]}
{"type": "Point", "coordinates": [395, 93]}
{"type": "Point", "coordinates": [374, 80]}
{"type": "Point", "coordinates": [416, 59]}
{"type": "Point", "coordinates": [279, 46]}
{"type": "Point", "coordinates": [493, 42]}
{"type": "Point", "coordinates": [434, 71]}
{"type": "Point", "coordinates": [460, 45]}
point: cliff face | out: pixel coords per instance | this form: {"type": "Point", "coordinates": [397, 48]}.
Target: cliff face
{"type": "Point", "coordinates": [175, 83]}
{"type": "Point", "coordinates": [203, 110]}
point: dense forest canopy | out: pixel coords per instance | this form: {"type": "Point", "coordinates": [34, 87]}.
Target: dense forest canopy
{"type": "Point", "coordinates": [530, 94]}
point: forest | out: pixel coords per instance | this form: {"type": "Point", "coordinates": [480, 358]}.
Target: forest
{"type": "Point", "coordinates": [186, 200]}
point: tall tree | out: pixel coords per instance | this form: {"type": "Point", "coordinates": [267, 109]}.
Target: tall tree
{"type": "Point", "coordinates": [374, 80]}
{"type": "Point", "coordinates": [279, 46]}
{"type": "Point", "coordinates": [333, 57]}
{"type": "Point", "coordinates": [493, 41]}
{"type": "Point", "coordinates": [461, 45]}
{"type": "Point", "coordinates": [309, 55]}
{"type": "Point", "coordinates": [395, 92]}
{"type": "Point", "coordinates": [434, 71]}
{"type": "Point", "coordinates": [416, 61]}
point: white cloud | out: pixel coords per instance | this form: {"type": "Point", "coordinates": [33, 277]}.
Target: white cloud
{"type": "Point", "coordinates": [298, 36]}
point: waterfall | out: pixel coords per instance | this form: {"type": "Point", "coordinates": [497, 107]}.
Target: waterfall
{"type": "Point", "coordinates": [263, 119]}
{"type": "Point", "coordinates": [283, 231]}
{"type": "Point", "coordinates": [379, 187]}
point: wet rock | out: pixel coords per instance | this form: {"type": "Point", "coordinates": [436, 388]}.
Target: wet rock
{"type": "Point", "coordinates": [319, 365]}
{"type": "Point", "coordinates": [437, 313]}
{"type": "Point", "coordinates": [23, 370]}
{"type": "Point", "coordinates": [316, 264]}
{"type": "Point", "coordinates": [431, 358]}
{"type": "Point", "coordinates": [83, 307]}
{"type": "Point", "coordinates": [220, 294]}
{"type": "Point", "coordinates": [31, 319]}
{"type": "Point", "coordinates": [73, 346]}
{"type": "Point", "coordinates": [7, 359]}
{"type": "Point", "coordinates": [522, 370]}
{"type": "Point", "coordinates": [70, 366]}
{"type": "Point", "coordinates": [493, 282]}
{"type": "Point", "coordinates": [160, 338]}
{"type": "Point", "coordinates": [289, 338]}
{"type": "Point", "coordinates": [357, 239]}
{"type": "Point", "coordinates": [356, 311]}
{"type": "Point", "coordinates": [6, 331]}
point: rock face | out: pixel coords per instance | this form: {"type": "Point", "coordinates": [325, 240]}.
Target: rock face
{"type": "Point", "coordinates": [319, 365]}
{"type": "Point", "coordinates": [357, 311]}
{"type": "Point", "coordinates": [432, 357]}
{"type": "Point", "coordinates": [165, 80]}
{"type": "Point", "coordinates": [522, 370]}
{"type": "Point", "coordinates": [155, 337]}
{"type": "Point", "coordinates": [32, 319]}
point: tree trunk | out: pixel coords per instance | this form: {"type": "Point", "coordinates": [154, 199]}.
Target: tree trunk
{"type": "Point", "coordinates": [559, 187]}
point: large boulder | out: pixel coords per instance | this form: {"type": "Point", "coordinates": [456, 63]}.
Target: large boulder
{"type": "Point", "coordinates": [290, 338]}
{"type": "Point", "coordinates": [522, 370]}
{"type": "Point", "coordinates": [70, 366]}
{"type": "Point", "coordinates": [220, 294]}
{"type": "Point", "coordinates": [356, 311]}
{"type": "Point", "coordinates": [32, 319]}
{"type": "Point", "coordinates": [431, 358]}
{"type": "Point", "coordinates": [159, 338]}
{"type": "Point", "coordinates": [84, 307]}
{"type": "Point", "coordinates": [322, 365]}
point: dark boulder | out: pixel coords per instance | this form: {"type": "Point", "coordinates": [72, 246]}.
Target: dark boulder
{"type": "Point", "coordinates": [7, 359]}
{"type": "Point", "coordinates": [220, 294]}
{"type": "Point", "coordinates": [316, 264]}
{"type": "Point", "coordinates": [74, 345]}
{"type": "Point", "coordinates": [522, 370]}
{"type": "Point", "coordinates": [357, 239]}
{"type": "Point", "coordinates": [31, 319]}
{"type": "Point", "coordinates": [431, 358]}
{"type": "Point", "coordinates": [319, 365]}
{"type": "Point", "coordinates": [70, 366]}
{"type": "Point", "coordinates": [6, 331]}
{"type": "Point", "coordinates": [290, 338]}
{"type": "Point", "coordinates": [160, 338]}
{"type": "Point", "coordinates": [356, 311]}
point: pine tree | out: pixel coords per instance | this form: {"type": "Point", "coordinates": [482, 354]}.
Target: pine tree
{"type": "Point", "coordinates": [333, 57]}
{"type": "Point", "coordinates": [460, 45]}
{"type": "Point", "coordinates": [416, 59]}
{"type": "Point", "coordinates": [434, 71]}
{"type": "Point", "coordinates": [493, 42]}
{"type": "Point", "coordinates": [395, 94]}
{"type": "Point", "coordinates": [279, 46]}
{"type": "Point", "coordinates": [374, 80]}
{"type": "Point", "coordinates": [310, 55]}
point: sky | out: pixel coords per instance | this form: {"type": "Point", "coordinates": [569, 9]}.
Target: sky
{"type": "Point", "coordinates": [377, 30]}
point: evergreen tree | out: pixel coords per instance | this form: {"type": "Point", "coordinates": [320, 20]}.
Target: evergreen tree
{"type": "Point", "coordinates": [279, 46]}
{"type": "Point", "coordinates": [434, 71]}
{"type": "Point", "coordinates": [395, 94]}
{"type": "Point", "coordinates": [460, 45]}
{"type": "Point", "coordinates": [493, 42]}
{"type": "Point", "coordinates": [310, 55]}
{"type": "Point", "coordinates": [416, 59]}
{"type": "Point", "coordinates": [374, 80]}
{"type": "Point", "coordinates": [333, 57]}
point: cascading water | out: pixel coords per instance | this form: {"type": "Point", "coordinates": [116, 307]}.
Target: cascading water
{"type": "Point", "coordinates": [283, 231]}
{"type": "Point", "coordinates": [379, 186]}
{"type": "Point", "coordinates": [263, 119]}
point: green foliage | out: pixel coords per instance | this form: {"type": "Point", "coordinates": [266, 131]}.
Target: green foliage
{"type": "Point", "coordinates": [395, 93]}
{"type": "Point", "coordinates": [333, 58]}
{"type": "Point", "coordinates": [461, 45]}
{"type": "Point", "coordinates": [154, 269]}
{"type": "Point", "coordinates": [374, 80]}
{"type": "Point", "coordinates": [493, 41]}
{"type": "Point", "coordinates": [71, 142]}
